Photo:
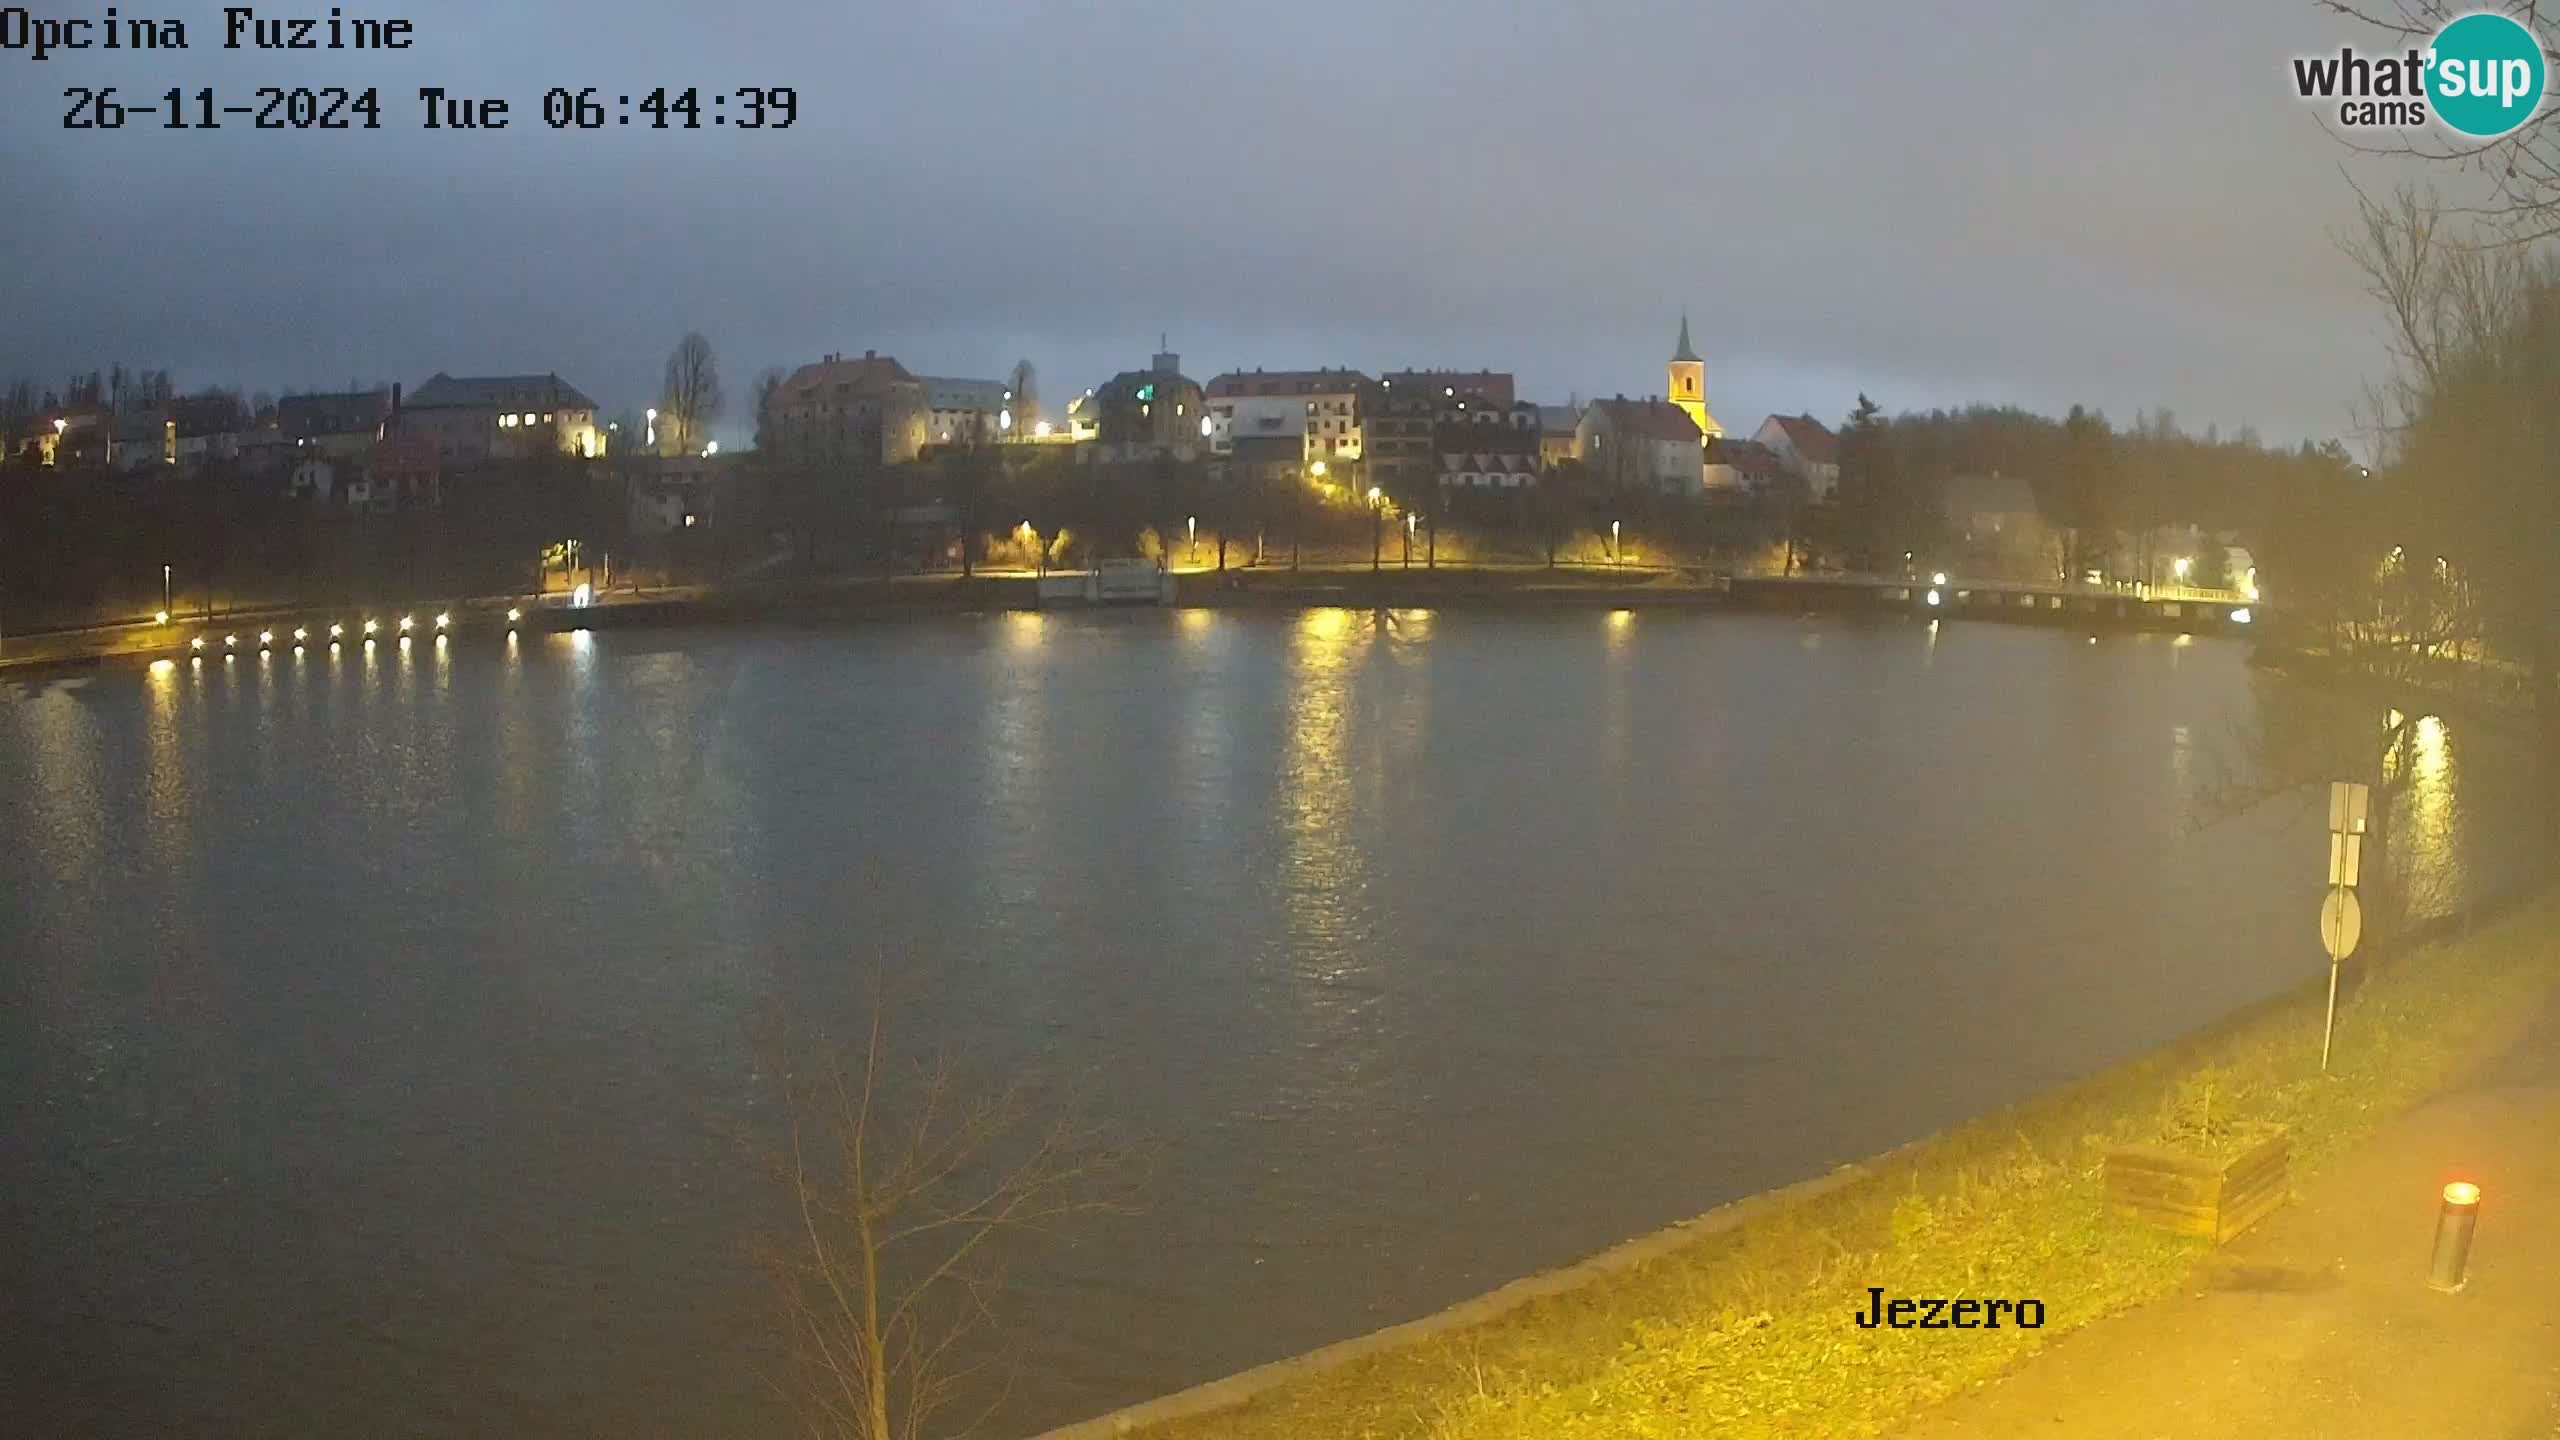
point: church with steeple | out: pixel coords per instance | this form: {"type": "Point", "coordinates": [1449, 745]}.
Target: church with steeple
{"type": "Point", "coordinates": [1688, 385]}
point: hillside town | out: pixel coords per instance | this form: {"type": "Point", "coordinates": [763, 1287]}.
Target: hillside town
{"type": "Point", "coordinates": [860, 458]}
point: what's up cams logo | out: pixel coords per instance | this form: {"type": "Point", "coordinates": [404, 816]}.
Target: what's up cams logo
{"type": "Point", "coordinates": [2482, 76]}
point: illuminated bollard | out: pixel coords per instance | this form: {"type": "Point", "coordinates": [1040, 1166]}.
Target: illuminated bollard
{"type": "Point", "coordinates": [2449, 1269]}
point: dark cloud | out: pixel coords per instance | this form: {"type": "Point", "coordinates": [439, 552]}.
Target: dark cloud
{"type": "Point", "coordinates": [2001, 200]}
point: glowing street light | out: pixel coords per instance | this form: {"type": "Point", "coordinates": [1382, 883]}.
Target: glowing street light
{"type": "Point", "coordinates": [407, 624]}
{"type": "Point", "coordinates": [370, 627]}
{"type": "Point", "coordinates": [653, 429]}
{"type": "Point", "coordinates": [300, 634]}
{"type": "Point", "coordinates": [1318, 469]}
{"type": "Point", "coordinates": [160, 618]}
{"type": "Point", "coordinates": [266, 638]}
{"type": "Point", "coordinates": [196, 644]}
{"type": "Point", "coordinates": [337, 630]}
{"type": "Point", "coordinates": [2448, 1268]}
{"type": "Point", "coordinates": [2180, 566]}
{"type": "Point", "coordinates": [514, 615]}
{"type": "Point", "coordinates": [1617, 545]}
{"type": "Point", "coordinates": [1193, 525]}
{"type": "Point", "coordinates": [1377, 527]}
{"type": "Point", "coordinates": [1938, 577]}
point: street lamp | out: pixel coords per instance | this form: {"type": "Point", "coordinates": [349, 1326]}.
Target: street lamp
{"type": "Point", "coordinates": [653, 429]}
{"type": "Point", "coordinates": [1193, 524]}
{"type": "Point", "coordinates": [1617, 545]}
{"type": "Point", "coordinates": [1409, 519]}
{"type": "Point", "coordinates": [2180, 566]}
{"type": "Point", "coordinates": [1377, 527]}
{"type": "Point", "coordinates": [165, 606]}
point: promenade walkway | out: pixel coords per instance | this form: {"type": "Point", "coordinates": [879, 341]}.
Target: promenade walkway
{"type": "Point", "coordinates": [2318, 1325]}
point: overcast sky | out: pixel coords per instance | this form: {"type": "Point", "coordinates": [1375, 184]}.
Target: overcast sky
{"type": "Point", "coordinates": [1996, 200]}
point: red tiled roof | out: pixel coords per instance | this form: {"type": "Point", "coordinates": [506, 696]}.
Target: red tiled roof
{"type": "Point", "coordinates": [1286, 382]}
{"type": "Point", "coordinates": [1493, 385]}
{"type": "Point", "coordinates": [813, 382]}
{"type": "Point", "coordinates": [1751, 459]}
{"type": "Point", "coordinates": [1813, 439]}
{"type": "Point", "coordinates": [1653, 419]}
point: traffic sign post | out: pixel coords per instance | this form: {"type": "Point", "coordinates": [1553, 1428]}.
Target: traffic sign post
{"type": "Point", "coordinates": [2341, 925]}
{"type": "Point", "coordinates": [2341, 916]}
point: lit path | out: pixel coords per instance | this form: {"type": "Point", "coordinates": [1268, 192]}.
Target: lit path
{"type": "Point", "coordinates": [2317, 1325]}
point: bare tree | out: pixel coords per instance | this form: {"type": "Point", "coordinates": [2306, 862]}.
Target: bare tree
{"type": "Point", "coordinates": [2521, 169]}
{"type": "Point", "coordinates": [691, 398]}
{"type": "Point", "coordinates": [904, 1186]}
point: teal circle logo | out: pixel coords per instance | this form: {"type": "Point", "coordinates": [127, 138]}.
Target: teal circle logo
{"type": "Point", "coordinates": [2484, 75]}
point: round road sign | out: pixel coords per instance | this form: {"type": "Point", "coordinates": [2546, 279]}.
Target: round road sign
{"type": "Point", "coordinates": [2341, 923]}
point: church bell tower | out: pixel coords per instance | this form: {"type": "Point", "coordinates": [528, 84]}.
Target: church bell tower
{"type": "Point", "coordinates": [1688, 384]}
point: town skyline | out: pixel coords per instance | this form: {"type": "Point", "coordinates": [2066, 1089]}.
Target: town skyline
{"type": "Point", "coordinates": [2088, 258]}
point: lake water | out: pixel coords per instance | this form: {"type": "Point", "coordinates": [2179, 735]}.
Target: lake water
{"type": "Point", "coordinates": [373, 1025]}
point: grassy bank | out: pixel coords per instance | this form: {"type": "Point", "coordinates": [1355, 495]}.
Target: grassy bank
{"type": "Point", "coordinates": [1748, 1332]}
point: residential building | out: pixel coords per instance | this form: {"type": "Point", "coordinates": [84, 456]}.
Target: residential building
{"type": "Point", "coordinates": [666, 494]}
{"type": "Point", "coordinates": [1742, 467]}
{"type": "Point", "coordinates": [1557, 427]}
{"type": "Point", "coordinates": [313, 479]}
{"type": "Point", "coordinates": [1152, 412]}
{"type": "Point", "coordinates": [1264, 463]}
{"type": "Point", "coordinates": [860, 413]}
{"type": "Point", "coordinates": [142, 442]}
{"type": "Point", "coordinates": [1490, 387]}
{"type": "Point", "coordinates": [1321, 407]}
{"type": "Point", "coordinates": [1482, 446]}
{"type": "Point", "coordinates": [342, 425]}
{"type": "Point", "coordinates": [1999, 529]}
{"type": "Point", "coordinates": [1648, 444]}
{"type": "Point", "coordinates": [1807, 448]}
{"type": "Point", "coordinates": [1084, 419]}
{"type": "Point", "coordinates": [1406, 422]}
{"type": "Point", "coordinates": [404, 472]}
{"type": "Point", "coordinates": [966, 411]}
{"type": "Point", "coordinates": [210, 426]}
{"type": "Point", "coordinates": [34, 442]}
{"type": "Point", "coordinates": [501, 417]}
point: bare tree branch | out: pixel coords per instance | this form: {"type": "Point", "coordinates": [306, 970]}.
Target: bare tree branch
{"type": "Point", "coordinates": [888, 1282]}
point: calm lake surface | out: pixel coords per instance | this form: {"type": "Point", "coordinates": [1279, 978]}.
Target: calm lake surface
{"type": "Point", "coordinates": [372, 1027]}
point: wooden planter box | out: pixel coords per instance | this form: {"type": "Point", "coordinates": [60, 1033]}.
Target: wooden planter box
{"type": "Point", "coordinates": [2216, 1199]}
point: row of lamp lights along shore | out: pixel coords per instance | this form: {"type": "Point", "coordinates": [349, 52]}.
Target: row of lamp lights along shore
{"type": "Point", "coordinates": [405, 626]}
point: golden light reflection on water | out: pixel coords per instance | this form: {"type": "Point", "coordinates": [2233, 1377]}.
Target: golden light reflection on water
{"type": "Point", "coordinates": [2430, 784]}
{"type": "Point", "coordinates": [1325, 872]}
{"type": "Point", "coordinates": [164, 766]}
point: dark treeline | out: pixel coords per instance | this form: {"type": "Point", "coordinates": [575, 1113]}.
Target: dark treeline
{"type": "Point", "coordinates": [2093, 485]}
